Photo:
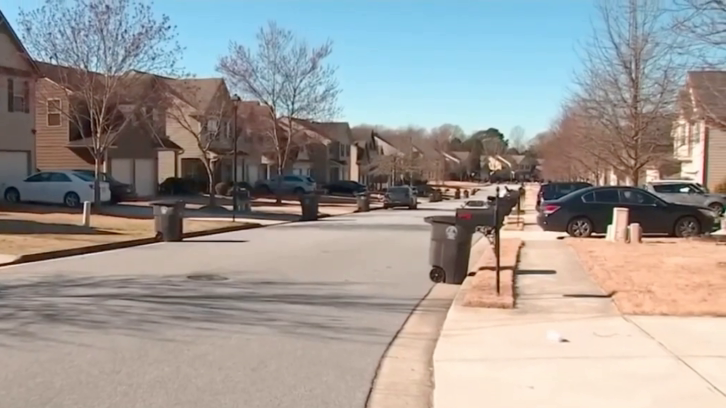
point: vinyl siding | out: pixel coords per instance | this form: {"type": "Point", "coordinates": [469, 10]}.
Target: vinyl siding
{"type": "Point", "coordinates": [51, 141]}
{"type": "Point", "coordinates": [17, 127]}
{"type": "Point", "coordinates": [715, 163]}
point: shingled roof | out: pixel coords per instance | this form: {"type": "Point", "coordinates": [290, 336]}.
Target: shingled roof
{"type": "Point", "coordinates": [197, 92]}
{"type": "Point", "coordinates": [335, 131]}
{"type": "Point", "coordinates": [708, 91]}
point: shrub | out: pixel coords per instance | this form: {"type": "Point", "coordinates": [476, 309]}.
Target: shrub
{"type": "Point", "coordinates": [222, 188]}
{"type": "Point", "coordinates": [721, 187]}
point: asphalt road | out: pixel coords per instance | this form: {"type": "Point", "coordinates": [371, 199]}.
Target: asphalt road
{"type": "Point", "coordinates": [302, 320]}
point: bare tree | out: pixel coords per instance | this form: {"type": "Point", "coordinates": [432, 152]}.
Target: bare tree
{"type": "Point", "coordinates": [628, 87]}
{"type": "Point", "coordinates": [567, 148]}
{"type": "Point", "coordinates": [516, 139]}
{"type": "Point", "coordinates": [290, 77]}
{"type": "Point", "coordinates": [212, 127]}
{"type": "Point", "coordinates": [99, 53]}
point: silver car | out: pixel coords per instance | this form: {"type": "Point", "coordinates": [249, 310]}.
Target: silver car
{"type": "Point", "coordinates": [400, 196]}
{"type": "Point", "coordinates": [295, 184]}
{"type": "Point", "coordinates": [688, 193]}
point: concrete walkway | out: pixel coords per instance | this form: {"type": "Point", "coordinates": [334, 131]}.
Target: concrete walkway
{"type": "Point", "coordinates": [566, 346]}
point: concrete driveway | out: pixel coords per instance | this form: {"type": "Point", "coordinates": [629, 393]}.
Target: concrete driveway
{"type": "Point", "coordinates": [301, 319]}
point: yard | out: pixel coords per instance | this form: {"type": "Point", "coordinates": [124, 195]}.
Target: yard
{"type": "Point", "coordinates": [29, 229]}
{"type": "Point", "coordinates": [24, 232]}
{"type": "Point", "coordinates": [659, 277]}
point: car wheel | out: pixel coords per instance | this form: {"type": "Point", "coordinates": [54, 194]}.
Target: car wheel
{"type": "Point", "coordinates": [717, 207]}
{"type": "Point", "coordinates": [687, 227]}
{"type": "Point", "coordinates": [72, 200]}
{"type": "Point", "coordinates": [298, 191]}
{"type": "Point", "coordinates": [12, 195]}
{"type": "Point", "coordinates": [579, 227]}
{"type": "Point", "coordinates": [265, 189]}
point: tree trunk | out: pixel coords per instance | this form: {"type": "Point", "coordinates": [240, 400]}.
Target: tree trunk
{"type": "Point", "coordinates": [210, 180]}
{"type": "Point", "coordinates": [97, 161]}
{"type": "Point", "coordinates": [278, 188]}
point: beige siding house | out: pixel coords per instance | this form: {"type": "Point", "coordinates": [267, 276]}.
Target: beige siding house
{"type": "Point", "coordinates": [17, 107]}
{"type": "Point", "coordinates": [699, 132]}
{"type": "Point", "coordinates": [201, 121]}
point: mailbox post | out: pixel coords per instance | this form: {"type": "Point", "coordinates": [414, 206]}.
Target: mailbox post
{"type": "Point", "coordinates": [497, 266]}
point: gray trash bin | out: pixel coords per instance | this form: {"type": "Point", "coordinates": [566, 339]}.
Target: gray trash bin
{"type": "Point", "coordinates": [449, 249]}
{"type": "Point", "coordinates": [169, 220]}
{"type": "Point", "coordinates": [244, 199]}
{"type": "Point", "coordinates": [364, 202]}
{"type": "Point", "coordinates": [309, 206]}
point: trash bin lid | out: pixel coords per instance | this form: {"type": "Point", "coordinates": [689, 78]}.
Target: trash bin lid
{"type": "Point", "coordinates": [441, 219]}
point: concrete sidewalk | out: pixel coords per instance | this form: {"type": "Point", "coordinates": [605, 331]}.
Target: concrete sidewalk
{"type": "Point", "coordinates": [512, 358]}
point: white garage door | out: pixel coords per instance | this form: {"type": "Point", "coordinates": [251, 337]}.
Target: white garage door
{"type": "Point", "coordinates": [145, 177]}
{"type": "Point", "coordinates": [13, 166]}
{"type": "Point", "coordinates": [123, 170]}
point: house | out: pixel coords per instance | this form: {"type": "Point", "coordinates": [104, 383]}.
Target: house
{"type": "Point", "coordinates": [62, 128]}
{"type": "Point", "coordinates": [200, 119]}
{"type": "Point", "coordinates": [18, 74]}
{"type": "Point", "coordinates": [699, 132]}
{"type": "Point", "coordinates": [398, 158]}
{"type": "Point", "coordinates": [364, 153]}
{"type": "Point", "coordinates": [329, 160]}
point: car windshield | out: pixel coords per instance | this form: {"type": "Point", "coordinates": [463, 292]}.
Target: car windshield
{"type": "Point", "coordinates": [88, 175]}
{"type": "Point", "coordinates": [84, 175]}
{"type": "Point", "coordinates": [700, 187]}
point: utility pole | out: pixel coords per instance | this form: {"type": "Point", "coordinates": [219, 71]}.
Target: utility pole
{"type": "Point", "coordinates": [235, 204]}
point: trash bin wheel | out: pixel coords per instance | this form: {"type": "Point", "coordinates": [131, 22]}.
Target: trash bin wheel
{"type": "Point", "coordinates": [437, 275]}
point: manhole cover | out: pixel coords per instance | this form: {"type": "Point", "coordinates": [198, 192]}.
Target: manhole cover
{"type": "Point", "coordinates": [207, 277]}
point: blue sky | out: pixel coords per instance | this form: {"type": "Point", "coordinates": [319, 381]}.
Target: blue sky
{"type": "Point", "coordinates": [476, 63]}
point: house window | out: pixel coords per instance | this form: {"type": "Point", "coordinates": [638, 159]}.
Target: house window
{"type": "Point", "coordinates": [54, 112]}
{"type": "Point", "coordinates": [212, 125]}
{"type": "Point", "coordinates": [18, 97]}
{"type": "Point", "coordinates": [343, 150]}
{"type": "Point", "coordinates": [696, 138]}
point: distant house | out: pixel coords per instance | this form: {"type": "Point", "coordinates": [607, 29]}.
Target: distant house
{"type": "Point", "coordinates": [61, 143]}
{"type": "Point", "coordinates": [365, 153]}
{"type": "Point", "coordinates": [330, 159]}
{"type": "Point", "coordinates": [699, 132]}
{"type": "Point", "coordinates": [17, 111]}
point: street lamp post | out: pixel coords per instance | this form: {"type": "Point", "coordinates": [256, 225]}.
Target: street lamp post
{"type": "Point", "coordinates": [235, 104]}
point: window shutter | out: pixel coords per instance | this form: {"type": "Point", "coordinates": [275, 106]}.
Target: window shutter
{"type": "Point", "coordinates": [26, 96]}
{"type": "Point", "coordinates": [11, 95]}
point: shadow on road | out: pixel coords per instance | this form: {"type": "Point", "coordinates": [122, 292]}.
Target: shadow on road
{"type": "Point", "coordinates": [155, 306]}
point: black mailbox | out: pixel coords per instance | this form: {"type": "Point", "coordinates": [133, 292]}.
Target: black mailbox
{"type": "Point", "coordinates": [471, 218]}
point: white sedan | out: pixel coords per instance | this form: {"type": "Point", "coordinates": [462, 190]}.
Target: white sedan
{"type": "Point", "coordinates": [65, 187]}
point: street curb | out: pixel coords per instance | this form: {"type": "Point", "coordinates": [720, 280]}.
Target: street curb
{"type": "Point", "coordinates": [64, 253]}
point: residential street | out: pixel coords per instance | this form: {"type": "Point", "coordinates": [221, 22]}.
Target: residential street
{"type": "Point", "coordinates": [302, 321]}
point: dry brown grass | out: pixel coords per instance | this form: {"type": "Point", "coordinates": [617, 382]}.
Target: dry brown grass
{"type": "Point", "coordinates": [24, 233]}
{"type": "Point", "coordinates": [660, 276]}
{"type": "Point", "coordinates": [481, 291]}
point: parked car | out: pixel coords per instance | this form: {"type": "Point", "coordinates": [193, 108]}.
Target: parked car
{"type": "Point", "coordinates": [553, 191]}
{"type": "Point", "coordinates": [119, 191]}
{"type": "Point", "coordinates": [57, 187]}
{"type": "Point", "coordinates": [400, 196]}
{"type": "Point", "coordinates": [590, 211]}
{"type": "Point", "coordinates": [344, 187]}
{"type": "Point", "coordinates": [687, 192]}
{"type": "Point", "coordinates": [294, 184]}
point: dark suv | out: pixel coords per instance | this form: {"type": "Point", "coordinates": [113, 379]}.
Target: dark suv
{"type": "Point", "coordinates": [553, 191]}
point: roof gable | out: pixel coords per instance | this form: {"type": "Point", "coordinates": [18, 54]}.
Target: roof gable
{"type": "Point", "coordinates": [26, 62]}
